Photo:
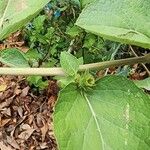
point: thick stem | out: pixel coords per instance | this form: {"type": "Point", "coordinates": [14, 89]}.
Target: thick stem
{"type": "Point", "coordinates": [116, 63]}
{"type": "Point", "coordinates": [60, 72]}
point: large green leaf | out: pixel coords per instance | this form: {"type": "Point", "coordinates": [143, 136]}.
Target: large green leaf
{"type": "Point", "coordinates": [16, 13]}
{"type": "Point", "coordinates": [126, 21]}
{"type": "Point", "coordinates": [112, 116]}
{"type": "Point", "coordinates": [13, 58]}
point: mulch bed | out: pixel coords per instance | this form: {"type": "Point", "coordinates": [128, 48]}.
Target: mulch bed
{"type": "Point", "coordinates": [26, 115]}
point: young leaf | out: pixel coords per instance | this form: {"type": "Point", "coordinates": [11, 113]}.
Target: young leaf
{"type": "Point", "coordinates": [39, 22]}
{"type": "Point", "coordinates": [118, 20]}
{"type": "Point", "coordinates": [37, 81]}
{"type": "Point", "coordinates": [13, 58]}
{"type": "Point", "coordinates": [64, 81]}
{"type": "Point", "coordinates": [73, 31]}
{"type": "Point", "coordinates": [69, 63]}
{"type": "Point", "coordinates": [113, 115]}
{"type": "Point", "coordinates": [80, 61]}
{"type": "Point", "coordinates": [15, 14]}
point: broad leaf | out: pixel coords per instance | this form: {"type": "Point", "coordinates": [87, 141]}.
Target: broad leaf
{"type": "Point", "coordinates": [69, 63]}
{"type": "Point", "coordinates": [143, 83]}
{"type": "Point", "coordinates": [13, 58]}
{"type": "Point", "coordinates": [16, 13]}
{"type": "Point", "coordinates": [112, 116]}
{"type": "Point", "coordinates": [126, 21]}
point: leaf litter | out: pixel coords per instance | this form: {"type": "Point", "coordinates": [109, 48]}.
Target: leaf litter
{"type": "Point", "coordinates": [26, 116]}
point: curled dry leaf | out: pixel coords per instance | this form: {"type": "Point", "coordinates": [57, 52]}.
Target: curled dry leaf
{"type": "Point", "coordinates": [44, 130]}
{"type": "Point", "coordinates": [26, 133]}
{"type": "Point", "coordinates": [18, 123]}
{"type": "Point", "coordinates": [30, 119]}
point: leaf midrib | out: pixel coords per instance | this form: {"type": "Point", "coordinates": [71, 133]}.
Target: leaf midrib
{"type": "Point", "coordinates": [95, 118]}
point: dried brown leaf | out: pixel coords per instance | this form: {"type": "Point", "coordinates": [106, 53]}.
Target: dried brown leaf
{"type": "Point", "coordinates": [43, 145]}
{"type": "Point", "coordinates": [27, 133]}
{"type": "Point", "coordinates": [12, 142]}
{"type": "Point", "coordinates": [39, 120]}
{"type": "Point", "coordinates": [44, 130]}
{"type": "Point", "coordinates": [20, 111]}
{"type": "Point", "coordinates": [25, 91]}
{"type": "Point", "coordinates": [6, 111]}
{"type": "Point", "coordinates": [6, 103]}
{"type": "Point", "coordinates": [4, 147]}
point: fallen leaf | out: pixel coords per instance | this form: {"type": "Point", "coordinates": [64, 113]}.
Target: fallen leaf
{"type": "Point", "coordinates": [6, 103]}
{"type": "Point", "coordinates": [43, 145]}
{"type": "Point", "coordinates": [17, 91]}
{"type": "Point", "coordinates": [30, 119]}
{"type": "Point", "coordinates": [20, 111]}
{"type": "Point", "coordinates": [27, 133]}
{"type": "Point", "coordinates": [44, 130]}
{"type": "Point", "coordinates": [6, 111]}
{"type": "Point", "coordinates": [18, 123]}
{"type": "Point", "coordinates": [25, 91]}
{"type": "Point", "coordinates": [12, 142]}
{"type": "Point", "coordinates": [25, 127]}
{"type": "Point", "coordinates": [51, 101]}
{"type": "Point", "coordinates": [4, 147]}
{"type": "Point", "coordinates": [39, 120]}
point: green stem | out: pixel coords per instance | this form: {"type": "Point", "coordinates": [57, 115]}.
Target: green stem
{"type": "Point", "coordinates": [60, 72]}
{"type": "Point", "coordinates": [116, 63]}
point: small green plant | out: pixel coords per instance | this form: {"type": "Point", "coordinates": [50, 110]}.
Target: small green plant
{"type": "Point", "coordinates": [91, 113]}
{"type": "Point", "coordinates": [38, 82]}
{"type": "Point", "coordinates": [54, 31]}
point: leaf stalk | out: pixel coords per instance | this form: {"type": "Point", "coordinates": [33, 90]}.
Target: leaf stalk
{"type": "Point", "coordinates": [59, 71]}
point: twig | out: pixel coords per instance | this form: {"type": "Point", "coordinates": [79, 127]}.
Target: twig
{"type": "Point", "coordinates": [144, 66]}
{"type": "Point", "coordinates": [60, 72]}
